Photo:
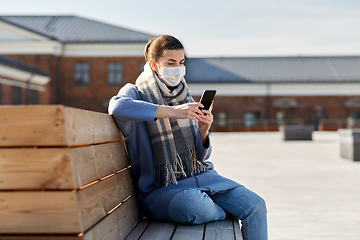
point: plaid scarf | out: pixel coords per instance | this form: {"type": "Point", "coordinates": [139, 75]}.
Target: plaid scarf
{"type": "Point", "coordinates": [172, 139]}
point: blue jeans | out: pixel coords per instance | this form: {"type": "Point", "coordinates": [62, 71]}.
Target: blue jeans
{"type": "Point", "coordinates": [196, 207]}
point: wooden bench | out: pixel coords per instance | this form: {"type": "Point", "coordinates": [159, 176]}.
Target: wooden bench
{"type": "Point", "coordinates": [64, 174]}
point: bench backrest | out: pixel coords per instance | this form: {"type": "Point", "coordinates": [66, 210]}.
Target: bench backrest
{"type": "Point", "coordinates": [64, 171]}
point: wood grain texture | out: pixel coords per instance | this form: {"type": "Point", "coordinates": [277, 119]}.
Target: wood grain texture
{"type": "Point", "coordinates": [59, 168]}
{"type": "Point", "coordinates": [54, 125]}
{"type": "Point", "coordinates": [90, 163]}
{"type": "Point", "coordinates": [193, 232]}
{"type": "Point", "coordinates": [138, 230]}
{"type": "Point", "coordinates": [96, 201]}
{"type": "Point", "coordinates": [125, 186]}
{"type": "Point", "coordinates": [35, 125]}
{"type": "Point", "coordinates": [30, 168]}
{"type": "Point", "coordinates": [38, 212]}
{"type": "Point", "coordinates": [117, 224]}
{"type": "Point", "coordinates": [64, 211]}
{"type": "Point", "coordinates": [87, 127]}
{"type": "Point", "coordinates": [220, 230]}
{"type": "Point", "coordinates": [158, 230]}
{"type": "Point", "coordinates": [127, 216]}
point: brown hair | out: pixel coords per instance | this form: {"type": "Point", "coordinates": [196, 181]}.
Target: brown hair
{"type": "Point", "coordinates": [156, 47]}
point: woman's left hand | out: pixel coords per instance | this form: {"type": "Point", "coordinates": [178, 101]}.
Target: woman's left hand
{"type": "Point", "coordinates": [205, 120]}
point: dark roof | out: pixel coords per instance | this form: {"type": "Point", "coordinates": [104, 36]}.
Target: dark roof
{"type": "Point", "coordinates": [73, 29]}
{"type": "Point", "coordinates": [15, 64]}
{"type": "Point", "coordinates": [273, 69]}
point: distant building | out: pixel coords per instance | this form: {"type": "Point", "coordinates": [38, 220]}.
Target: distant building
{"type": "Point", "coordinates": [21, 84]}
{"type": "Point", "coordinates": [82, 63]}
{"type": "Point", "coordinates": [260, 93]}
{"type": "Point", "coordinates": [87, 61]}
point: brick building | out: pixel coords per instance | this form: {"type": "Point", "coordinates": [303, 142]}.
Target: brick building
{"type": "Point", "coordinates": [87, 61]}
{"type": "Point", "coordinates": [260, 93]}
{"type": "Point", "coordinates": [21, 84]}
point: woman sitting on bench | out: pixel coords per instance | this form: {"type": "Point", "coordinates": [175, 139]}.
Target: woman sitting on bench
{"type": "Point", "coordinates": [167, 139]}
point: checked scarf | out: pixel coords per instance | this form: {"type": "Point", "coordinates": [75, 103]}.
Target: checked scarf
{"type": "Point", "coordinates": [172, 139]}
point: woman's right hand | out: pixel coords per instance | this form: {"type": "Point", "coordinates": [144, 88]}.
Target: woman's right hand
{"type": "Point", "coordinates": [183, 111]}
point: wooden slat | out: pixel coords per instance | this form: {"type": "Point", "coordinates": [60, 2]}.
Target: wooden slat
{"type": "Point", "coordinates": [38, 212]}
{"type": "Point", "coordinates": [138, 230]}
{"type": "Point", "coordinates": [125, 185]}
{"type": "Point", "coordinates": [63, 211]}
{"type": "Point", "coordinates": [39, 237]}
{"type": "Point", "coordinates": [193, 232]}
{"type": "Point", "coordinates": [119, 155]}
{"type": "Point", "coordinates": [96, 201]}
{"type": "Point", "coordinates": [128, 216]}
{"type": "Point", "coordinates": [237, 232]}
{"type": "Point", "coordinates": [117, 224]}
{"type": "Point", "coordinates": [59, 168]}
{"type": "Point", "coordinates": [29, 168]}
{"type": "Point", "coordinates": [94, 162]}
{"type": "Point", "coordinates": [32, 126]}
{"type": "Point", "coordinates": [87, 127]}
{"type": "Point", "coordinates": [54, 125]}
{"type": "Point", "coordinates": [220, 230]}
{"type": "Point", "coordinates": [158, 230]}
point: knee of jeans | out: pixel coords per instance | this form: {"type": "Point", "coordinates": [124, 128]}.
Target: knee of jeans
{"type": "Point", "coordinates": [195, 207]}
{"type": "Point", "coordinates": [258, 206]}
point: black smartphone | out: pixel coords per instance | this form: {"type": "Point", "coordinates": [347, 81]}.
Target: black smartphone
{"type": "Point", "coordinates": [206, 98]}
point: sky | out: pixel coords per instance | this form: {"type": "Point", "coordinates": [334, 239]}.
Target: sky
{"type": "Point", "coordinates": [223, 28]}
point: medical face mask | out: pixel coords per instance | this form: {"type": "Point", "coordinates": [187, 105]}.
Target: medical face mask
{"type": "Point", "coordinates": [172, 75]}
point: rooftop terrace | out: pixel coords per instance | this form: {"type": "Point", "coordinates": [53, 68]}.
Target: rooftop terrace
{"type": "Point", "coordinates": [311, 192]}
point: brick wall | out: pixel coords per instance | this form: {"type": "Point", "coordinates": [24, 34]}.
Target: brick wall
{"type": "Point", "coordinates": [236, 106]}
{"type": "Point", "coordinates": [97, 94]}
{"type": "Point", "coordinates": [94, 96]}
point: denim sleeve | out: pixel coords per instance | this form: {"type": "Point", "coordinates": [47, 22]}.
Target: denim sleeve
{"type": "Point", "coordinates": [127, 108]}
{"type": "Point", "coordinates": [202, 152]}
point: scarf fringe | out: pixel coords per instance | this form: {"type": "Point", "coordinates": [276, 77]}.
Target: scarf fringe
{"type": "Point", "coordinates": [186, 165]}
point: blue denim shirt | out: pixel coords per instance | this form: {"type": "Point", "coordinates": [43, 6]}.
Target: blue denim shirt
{"type": "Point", "coordinates": [131, 114]}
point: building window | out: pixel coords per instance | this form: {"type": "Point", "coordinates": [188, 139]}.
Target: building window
{"type": "Point", "coordinates": [250, 118]}
{"type": "Point", "coordinates": [221, 119]}
{"type": "Point", "coordinates": [115, 73]}
{"type": "Point", "coordinates": [16, 95]}
{"type": "Point", "coordinates": [82, 73]}
{"type": "Point", "coordinates": [33, 97]}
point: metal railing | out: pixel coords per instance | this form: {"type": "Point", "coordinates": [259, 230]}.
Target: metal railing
{"type": "Point", "coordinates": [255, 125]}
{"type": "Point", "coordinates": [230, 125]}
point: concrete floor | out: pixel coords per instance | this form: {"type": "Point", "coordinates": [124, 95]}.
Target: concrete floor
{"type": "Point", "coordinates": [310, 191]}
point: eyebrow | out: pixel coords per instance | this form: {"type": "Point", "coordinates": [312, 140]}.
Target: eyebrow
{"type": "Point", "coordinates": [173, 60]}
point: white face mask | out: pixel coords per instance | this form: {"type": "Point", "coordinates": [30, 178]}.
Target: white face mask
{"type": "Point", "coordinates": [172, 75]}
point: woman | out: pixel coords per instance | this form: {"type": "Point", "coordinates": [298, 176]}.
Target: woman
{"type": "Point", "coordinates": [167, 138]}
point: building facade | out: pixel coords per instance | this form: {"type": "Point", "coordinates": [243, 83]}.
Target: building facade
{"type": "Point", "coordinates": [87, 61]}
{"type": "Point", "coordinates": [261, 93]}
{"type": "Point", "coordinates": [21, 84]}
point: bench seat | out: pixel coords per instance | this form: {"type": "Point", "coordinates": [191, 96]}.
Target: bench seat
{"type": "Point", "coordinates": [228, 229]}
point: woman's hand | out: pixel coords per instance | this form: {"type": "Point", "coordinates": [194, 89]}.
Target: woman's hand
{"type": "Point", "coordinates": [183, 111]}
{"type": "Point", "coordinates": [205, 120]}
{"type": "Point", "coordinates": [189, 111]}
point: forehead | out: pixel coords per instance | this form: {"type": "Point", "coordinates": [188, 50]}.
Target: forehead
{"type": "Point", "coordinates": [177, 55]}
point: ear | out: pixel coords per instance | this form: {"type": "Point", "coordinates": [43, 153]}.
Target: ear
{"type": "Point", "coordinates": [152, 64]}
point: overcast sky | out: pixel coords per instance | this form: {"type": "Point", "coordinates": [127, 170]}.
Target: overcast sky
{"type": "Point", "coordinates": [223, 28]}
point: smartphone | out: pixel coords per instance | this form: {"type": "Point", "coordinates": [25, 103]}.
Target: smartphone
{"type": "Point", "coordinates": [206, 98]}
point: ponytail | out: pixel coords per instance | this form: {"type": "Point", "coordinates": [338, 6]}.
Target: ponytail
{"type": "Point", "coordinates": [146, 51]}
